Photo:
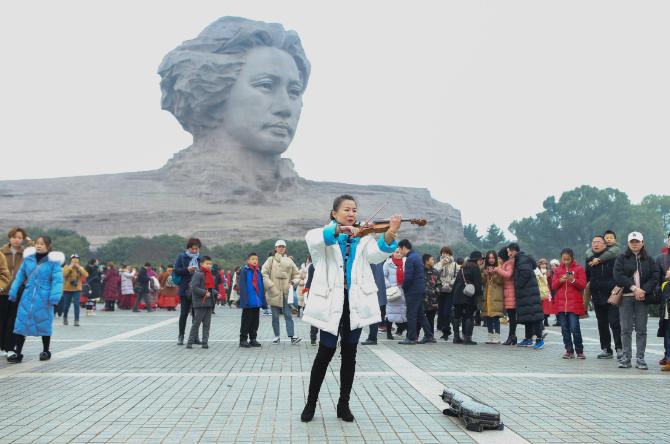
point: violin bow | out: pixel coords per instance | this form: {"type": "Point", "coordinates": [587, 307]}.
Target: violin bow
{"type": "Point", "coordinates": [373, 216]}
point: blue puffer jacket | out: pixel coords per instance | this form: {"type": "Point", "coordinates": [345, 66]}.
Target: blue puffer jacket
{"type": "Point", "coordinates": [44, 287]}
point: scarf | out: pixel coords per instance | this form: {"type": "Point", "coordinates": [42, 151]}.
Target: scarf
{"type": "Point", "coordinates": [194, 259]}
{"type": "Point", "coordinates": [399, 271]}
{"type": "Point", "coordinates": [254, 278]}
{"type": "Point", "coordinates": [209, 278]}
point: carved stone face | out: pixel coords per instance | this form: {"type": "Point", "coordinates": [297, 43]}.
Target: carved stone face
{"type": "Point", "coordinates": [263, 108]}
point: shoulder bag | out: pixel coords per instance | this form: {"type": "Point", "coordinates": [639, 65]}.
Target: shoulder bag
{"type": "Point", "coordinates": [469, 289]}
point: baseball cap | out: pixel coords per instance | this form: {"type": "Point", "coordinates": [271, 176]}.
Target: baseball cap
{"type": "Point", "coordinates": [280, 243]}
{"type": "Point", "coordinates": [635, 235]}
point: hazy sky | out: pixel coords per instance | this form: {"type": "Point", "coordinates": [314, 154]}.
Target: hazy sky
{"type": "Point", "coordinates": [491, 105]}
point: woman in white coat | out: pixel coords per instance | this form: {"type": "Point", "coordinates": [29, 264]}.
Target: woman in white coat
{"type": "Point", "coordinates": [342, 295]}
{"type": "Point", "coordinates": [396, 310]}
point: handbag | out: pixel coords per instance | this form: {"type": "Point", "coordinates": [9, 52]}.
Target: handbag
{"type": "Point", "coordinates": [469, 289]}
{"type": "Point", "coordinates": [615, 296]}
{"type": "Point", "coordinates": [393, 294]}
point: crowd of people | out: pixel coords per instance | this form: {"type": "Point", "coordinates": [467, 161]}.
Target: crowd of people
{"type": "Point", "coordinates": [416, 293]}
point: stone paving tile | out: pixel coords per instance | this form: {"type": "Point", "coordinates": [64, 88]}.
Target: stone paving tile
{"type": "Point", "coordinates": [171, 401]}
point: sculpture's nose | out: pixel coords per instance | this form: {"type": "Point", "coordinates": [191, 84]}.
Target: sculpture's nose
{"type": "Point", "coordinates": [282, 105]}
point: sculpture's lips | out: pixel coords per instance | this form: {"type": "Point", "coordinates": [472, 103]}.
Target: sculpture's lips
{"type": "Point", "coordinates": [281, 127]}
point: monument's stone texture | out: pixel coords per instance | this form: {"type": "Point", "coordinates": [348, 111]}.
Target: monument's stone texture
{"type": "Point", "coordinates": [237, 88]}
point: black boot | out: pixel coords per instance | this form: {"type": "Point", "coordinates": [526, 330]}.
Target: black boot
{"type": "Point", "coordinates": [180, 340]}
{"type": "Point", "coordinates": [456, 323]}
{"type": "Point", "coordinates": [511, 340]}
{"type": "Point", "coordinates": [468, 328]}
{"type": "Point", "coordinates": [319, 368]}
{"type": "Point", "coordinates": [347, 372]}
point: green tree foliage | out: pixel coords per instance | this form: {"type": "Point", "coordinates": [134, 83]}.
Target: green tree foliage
{"type": "Point", "coordinates": [67, 241]}
{"type": "Point", "coordinates": [581, 213]}
{"type": "Point", "coordinates": [234, 254]}
{"type": "Point", "coordinates": [137, 250]}
{"type": "Point", "coordinates": [493, 240]}
{"type": "Point", "coordinates": [471, 233]}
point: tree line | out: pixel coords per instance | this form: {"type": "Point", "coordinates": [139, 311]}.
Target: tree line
{"type": "Point", "coordinates": [571, 221]}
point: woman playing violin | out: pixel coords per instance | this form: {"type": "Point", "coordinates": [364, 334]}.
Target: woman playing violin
{"type": "Point", "coordinates": [343, 294]}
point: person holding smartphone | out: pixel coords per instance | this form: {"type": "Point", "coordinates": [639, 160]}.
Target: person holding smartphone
{"type": "Point", "coordinates": [569, 281]}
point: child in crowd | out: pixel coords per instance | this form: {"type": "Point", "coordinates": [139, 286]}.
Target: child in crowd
{"type": "Point", "coordinates": [203, 293]}
{"type": "Point", "coordinates": [252, 299]}
{"type": "Point", "coordinates": [432, 289]}
{"type": "Point", "coordinates": [613, 250]}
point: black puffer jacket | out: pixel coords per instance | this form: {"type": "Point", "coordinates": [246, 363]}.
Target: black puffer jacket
{"type": "Point", "coordinates": [527, 292]}
{"type": "Point", "coordinates": [625, 267]}
{"type": "Point", "coordinates": [472, 276]}
{"type": "Point", "coordinates": [601, 279]}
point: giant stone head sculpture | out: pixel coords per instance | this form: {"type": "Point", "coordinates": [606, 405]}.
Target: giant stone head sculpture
{"type": "Point", "coordinates": [241, 80]}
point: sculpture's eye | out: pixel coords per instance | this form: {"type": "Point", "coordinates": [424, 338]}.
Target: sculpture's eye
{"type": "Point", "coordinates": [265, 85]}
{"type": "Point", "coordinates": [294, 92]}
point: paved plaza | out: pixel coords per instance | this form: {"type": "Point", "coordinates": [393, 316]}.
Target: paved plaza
{"type": "Point", "coordinates": [120, 377]}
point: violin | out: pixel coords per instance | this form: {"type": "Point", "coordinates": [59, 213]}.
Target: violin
{"type": "Point", "coordinates": [382, 226]}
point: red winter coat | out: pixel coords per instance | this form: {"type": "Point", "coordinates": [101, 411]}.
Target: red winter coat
{"type": "Point", "coordinates": [507, 273]}
{"type": "Point", "coordinates": [569, 295]}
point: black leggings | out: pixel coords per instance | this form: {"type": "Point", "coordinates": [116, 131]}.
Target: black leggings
{"type": "Point", "coordinates": [511, 317]}
{"type": "Point", "coordinates": [20, 340]}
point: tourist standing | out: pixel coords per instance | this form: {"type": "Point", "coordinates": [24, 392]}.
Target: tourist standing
{"type": "Point", "coordinates": [203, 294]}
{"type": "Point", "coordinates": [569, 281]}
{"type": "Point", "coordinates": [252, 299]}
{"type": "Point", "coordinates": [378, 274]}
{"type": "Point", "coordinates": [185, 265]}
{"type": "Point", "coordinates": [42, 275]}
{"type": "Point", "coordinates": [142, 288]}
{"type": "Point", "coordinates": [13, 253]}
{"type": "Point", "coordinates": [664, 321]}
{"type": "Point", "coordinates": [506, 271]}
{"type": "Point", "coordinates": [169, 293]}
{"type": "Point", "coordinates": [467, 293]}
{"type": "Point", "coordinates": [72, 277]}
{"type": "Point", "coordinates": [279, 273]}
{"type": "Point", "coordinates": [342, 265]}
{"type": "Point", "coordinates": [432, 292]}
{"type": "Point", "coordinates": [637, 273]}
{"type": "Point", "coordinates": [127, 288]}
{"type": "Point", "coordinates": [111, 281]}
{"type": "Point", "coordinates": [447, 267]}
{"type": "Point", "coordinates": [543, 276]}
{"type": "Point", "coordinates": [663, 261]}
{"type": "Point", "coordinates": [396, 308]}
{"type": "Point", "coordinates": [414, 287]}
{"type": "Point", "coordinates": [600, 275]}
{"type": "Point", "coordinates": [527, 294]}
{"type": "Point", "coordinates": [94, 280]}
{"type": "Point", "coordinates": [493, 300]}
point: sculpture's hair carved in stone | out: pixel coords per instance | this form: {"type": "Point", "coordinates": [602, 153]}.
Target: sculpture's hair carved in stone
{"type": "Point", "coordinates": [196, 77]}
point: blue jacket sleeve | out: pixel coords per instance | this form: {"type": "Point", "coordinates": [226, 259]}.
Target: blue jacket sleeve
{"type": "Point", "coordinates": [181, 269]}
{"type": "Point", "coordinates": [329, 234]}
{"type": "Point", "coordinates": [409, 274]}
{"type": "Point", "coordinates": [56, 285]}
{"type": "Point", "coordinates": [387, 248]}
{"type": "Point", "coordinates": [242, 288]}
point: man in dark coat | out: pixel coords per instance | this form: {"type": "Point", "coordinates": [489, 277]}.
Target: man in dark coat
{"type": "Point", "coordinates": [528, 302]}
{"type": "Point", "coordinates": [142, 288]}
{"type": "Point", "coordinates": [414, 286]}
{"type": "Point", "coordinates": [600, 275]}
